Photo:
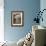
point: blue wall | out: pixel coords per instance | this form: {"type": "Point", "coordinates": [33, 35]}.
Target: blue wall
{"type": "Point", "coordinates": [43, 6]}
{"type": "Point", "coordinates": [29, 7]}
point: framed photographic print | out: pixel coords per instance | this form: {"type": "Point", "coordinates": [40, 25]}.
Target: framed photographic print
{"type": "Point", "coordinates": [17, 18]}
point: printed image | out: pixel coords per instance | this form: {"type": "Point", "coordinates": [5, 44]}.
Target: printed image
{"type": "Point", "coordinates": [17, 19]}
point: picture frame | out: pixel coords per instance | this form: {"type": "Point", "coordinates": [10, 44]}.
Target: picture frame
{"type": "Point", "coordinates": [17, 18]}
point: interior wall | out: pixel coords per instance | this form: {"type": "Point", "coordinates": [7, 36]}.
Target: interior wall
{"type": "Point", "coordinates": [43, 6]}
{"type": "Point", "coordinates": [30, 7]}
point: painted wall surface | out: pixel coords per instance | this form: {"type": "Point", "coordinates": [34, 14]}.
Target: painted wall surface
{"type": "Point", "coordinates": [43, 6]}
{"type": "Point", "coordinates": [29, 7]}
